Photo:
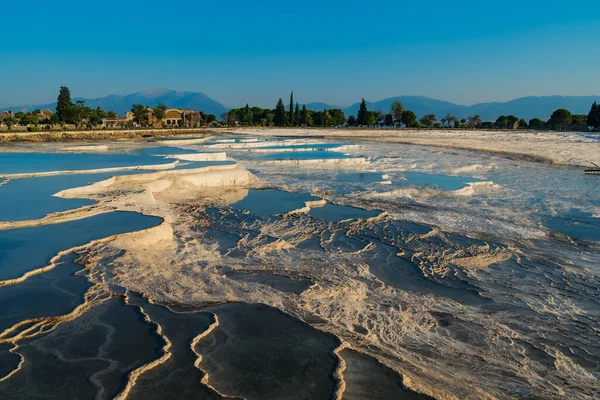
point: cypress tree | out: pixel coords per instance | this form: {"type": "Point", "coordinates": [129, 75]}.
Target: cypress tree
{"type": "Point", "coordinates": [363, 114]}
{"type": "Point", "coordinates": [593, 118]}
{"type": "Point", "coordinates": [297, 115]}
{"type": "Point", "coordinates": [280, 118]}
{"type": "Point", "coordinates": [64, 105]}
{"type": "Point", "coordinates": [304, 115]}
{"type": "Point", "coordinates": [292, 108]}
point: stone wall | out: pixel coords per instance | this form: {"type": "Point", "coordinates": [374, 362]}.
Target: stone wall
{"type": "Point", "coordinates": [89, 135]}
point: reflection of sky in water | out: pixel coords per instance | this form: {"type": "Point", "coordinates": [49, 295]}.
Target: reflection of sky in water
{"type": "Point", "coordinates": [32, 198]}
{"type": "Point", "coordinates": [336, 213]}
{"type": "Point", "coordinates": [531, 195]}
{"type": "Point", "coordinates": [18, 163]}
{"type": "Point", "coordinates": [25, 249]}
{"type": "Point", "coordinates": [446, 182]}
{"type": "Point", "coordinates": [271, 202]}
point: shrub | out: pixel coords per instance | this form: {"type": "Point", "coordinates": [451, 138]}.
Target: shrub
{"type": "Point", "coordinates": [33, 129]}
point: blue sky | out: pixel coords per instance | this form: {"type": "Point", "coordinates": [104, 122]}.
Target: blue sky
{"type": "Point", "coordinates": [331, 51]}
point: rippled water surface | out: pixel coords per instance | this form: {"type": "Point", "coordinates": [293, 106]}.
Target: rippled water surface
{"type": "Point", "coordinates": [446, 272]}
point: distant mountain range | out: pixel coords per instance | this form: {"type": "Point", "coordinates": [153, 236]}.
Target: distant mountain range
{"type": "Point", "coordinates": [122, 103]}
{"type": "Point", "coordinates": [525, 107]}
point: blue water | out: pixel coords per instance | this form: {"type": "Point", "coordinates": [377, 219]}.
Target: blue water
{"type": "Point", "coordinates": [357, 177]}
{"type": "Point", "coordinates": [315, 146]}
{"type": "Point", "coordinates": [304, 155]}
{"type": "Point", "coordinates": [18, 163]}
{"type": "Point", "coordinates": [576, 224]}
{"type": "Point", "coordinates": [336, 213]}
{"type": "Point", "coordinates": [271, 202]}
{"type": "Point", "coordinates": [31, 198]}
{"type": "Point", "coordinates": [446, 182]}
{"type": "Point", "coordinates": [56, 292]}
{"type": "Point", "coordinates": [26, 249]}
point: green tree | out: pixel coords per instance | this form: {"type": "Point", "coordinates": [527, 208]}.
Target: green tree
{"type": "Point", "coordinates": [536, 123]}
{"type": "Point", "coordinates": [304, 116]}
{"type": "Point", "coordinates": [560, 117]}
{"type": "Point", "coordinates": [160, 112]}
{"type": "Point", "coordinates": [371, 118]}
{"type": "Point", "coordinates": [211, 118]}
{"type": "Point", "coordinates": [428, 120]}
{"type": "Point", "coordinates": [448, 119]}
{"type": "Point", "coordinates": [593, 118]}
{"type": "Point", "coordinates": [579, 119]}
{"type": "Point", "coordinates": [337, 117]}
{"type": "Point", "coordinates": [396, 109]}
{"type": "Point", "coordinates": [388, 120]}
{"type": "Point", "coordinates": [112, 115]}
{"type": "Point", "coordinates": [269, 116]}
{"type": "Point", "coordinates": [64, 105]}
{"type": "Point", "coordinates": [523, 124]}
{"type": "Point", "coordinates": [292, 108]}
{"type": "Point", "coordinates": [140, 113]}
{"type": "Point", "coordinates": [475, 121]}
{"type": "Point", "coordinates": [280, 117]}
{"type": "Point", "coordinates": [409, 118]}
{"type": "Point", "coordinates": [81, 112]}
{"type": "Point", "coordinates": [297, 115]}
{"type": "Point", "coordinates": [352, 120]}
{"type": "Point", "coordinates": [232, 117]}
{"type": "Point", "coordinates": [246, 115]}
{"type": "Point", "coordinates": [501, 122]}
{"type": "Point", "coordinates": [363, 112]}
{"type": "Point", "coordinates": [512, 122]}
{"type": "Point", "coordinates": [9, 121]}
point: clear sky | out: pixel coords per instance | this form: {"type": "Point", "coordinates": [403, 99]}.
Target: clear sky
{"type": "Point", "coordinates": [332, 51]}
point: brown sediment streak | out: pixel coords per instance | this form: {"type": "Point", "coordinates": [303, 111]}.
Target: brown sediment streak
{"type": "Point", "coordinates": [21, 362]}
{"type": "Point", "coordinates": [94, 171]}
{"type": "Point", "coordinates": [339, 371]}
{"type": "Point", "coordinates": [94, 296]}
{"type": "Point", "coordinates": [135, 374]}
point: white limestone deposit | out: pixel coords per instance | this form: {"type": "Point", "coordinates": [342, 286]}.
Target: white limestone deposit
{"type": "Point", "coordinates": [457, 290]}
{"type": "Point", "coordinates": [156, 167]}
{"type": "Point", "coordinates": [87, 148]}
{"type": "Point", "coordinates": [556, 147]}
{"type": "Point", "coordinates": [322, 162]}
{"type": "Point", "coordinates": [199, 156]}
{"type": "Point", "coordinates": [474, 188]}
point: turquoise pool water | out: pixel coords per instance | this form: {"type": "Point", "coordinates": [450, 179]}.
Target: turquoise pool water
{"type": "Point", "coordinates": [336, 213]}
{"type": "Point", "coordinates": [21, 163]}
{"type": "Point", "coordinates": [271, 202]}
{"type": "Point", "coordinates": [446, 182]}
{"type": "Point", "coordinates": [26, 249]}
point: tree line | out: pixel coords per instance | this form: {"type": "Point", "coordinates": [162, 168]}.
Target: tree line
{"type": "Point", "coordinates": [81, 116]}
{"type": "Point", "coordinates": [398, 116]}
{"type": "Point", "coordinates": [280, 116]}
{"type": "Point", "coordinates": [77, 113]}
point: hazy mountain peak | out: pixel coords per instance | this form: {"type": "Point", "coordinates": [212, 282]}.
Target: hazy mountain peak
{"type": "Point", "coordinates": [150, 97]}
